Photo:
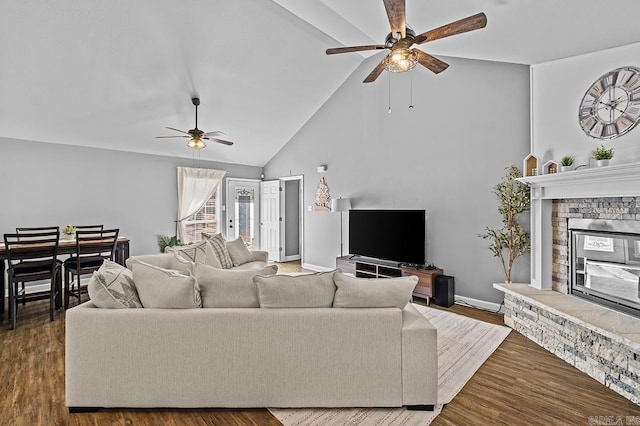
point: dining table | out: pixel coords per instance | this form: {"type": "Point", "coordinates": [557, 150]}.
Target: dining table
{"type": "Point", "coordinates": [66, 246]}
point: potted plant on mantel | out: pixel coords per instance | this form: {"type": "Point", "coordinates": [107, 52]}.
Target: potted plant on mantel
{"type": "Point", "coordinates": [511, 240]}
{"type": "Point", "coordinates": [566, 163]}
{"type": "Point", "coordinates": [602, 155]}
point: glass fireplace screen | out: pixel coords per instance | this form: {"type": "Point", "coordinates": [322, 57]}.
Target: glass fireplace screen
{"type": "Point", "coordinates": [605, 268]}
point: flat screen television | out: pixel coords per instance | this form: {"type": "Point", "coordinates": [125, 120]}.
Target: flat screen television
{"type": "Point", "coordinates": [396, 235]}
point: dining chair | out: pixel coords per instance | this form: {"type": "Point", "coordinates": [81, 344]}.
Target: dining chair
{"type": "Point", "coordinates": [30, 230]}
{"type": "Point", "coordinates": [93, 247]}
{"type": "Point", "coordinates": [88, 227]}
{"type": "Point", "coordinates": [32, 256]}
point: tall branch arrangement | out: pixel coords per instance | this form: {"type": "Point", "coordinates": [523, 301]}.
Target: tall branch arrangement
{"type": "Point", "coordinates": [511, 240]}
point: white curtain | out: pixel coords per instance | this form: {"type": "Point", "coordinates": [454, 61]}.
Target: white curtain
{"type": "Point", "coordinates": [195, 187]}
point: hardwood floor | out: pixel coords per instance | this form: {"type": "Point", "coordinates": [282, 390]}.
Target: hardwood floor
{"type": "Point", "coordinates": [524, 384]}
{"type": "Point", "coordinates": [520, 384]}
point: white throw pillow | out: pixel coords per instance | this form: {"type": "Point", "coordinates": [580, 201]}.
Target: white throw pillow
{"type": "Point", "coordinates": [219, 245]}
{"type": "Point", "coordinates": [301, 291]}
{"type": "Point", "coordinates": [222, 288]}
{"type": "Point", "coordinates": [112, 287]}
{"type": "Point", "coordinates": [165, 288]}
{"type": "Point", "coordinates": [373, 292]}
{"type": "Point", "coordinates": [238, 252]}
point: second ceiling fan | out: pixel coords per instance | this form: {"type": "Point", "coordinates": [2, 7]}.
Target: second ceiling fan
{"type": "Point", "coordinates": [401, 39]}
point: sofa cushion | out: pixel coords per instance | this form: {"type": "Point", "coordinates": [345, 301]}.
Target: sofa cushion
{"type": "Point", "coordinates": [256, 264]}
{"type": "Point", "coordinates": [301, 291]}
{"type": "Point", "coordinates": [219, 245]}
{"type": "Point", "coordinates": [165, 288]}
{"type": "Point", "coordinates": [223, 288]}
{"type": "Point", "coordinates": [373, 292]}
{"type": "Point", "coordinates": [112, 287]}
{"type": "Point", "coordinates": [238, 252]}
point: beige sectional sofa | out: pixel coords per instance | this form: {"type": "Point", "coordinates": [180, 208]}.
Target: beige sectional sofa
{"type": "Point", "coordinates": [181, 330]}
{"type": "Point", "coordinates": [249, 357]}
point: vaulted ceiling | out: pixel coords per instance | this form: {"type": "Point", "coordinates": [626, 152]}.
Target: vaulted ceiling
{"type": "Point", "coordinates": [113, 74]}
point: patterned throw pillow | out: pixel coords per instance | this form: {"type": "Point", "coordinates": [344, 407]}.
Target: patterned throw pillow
{"type": "Point", "coordinates": [112, 287]}
{"type": "Point", "coordinates": [219, 245]}
{"type": "Point", "coordinates": [200, 252]}
{"type": "Point", "coordinates": [196, 252]}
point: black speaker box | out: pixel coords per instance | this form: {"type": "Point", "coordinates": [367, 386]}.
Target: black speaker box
{"type": "Point", "coordinates": [444, 291]}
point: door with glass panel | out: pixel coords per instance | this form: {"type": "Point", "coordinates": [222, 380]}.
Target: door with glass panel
{"type": "Point", "coordinates": [243, 211]}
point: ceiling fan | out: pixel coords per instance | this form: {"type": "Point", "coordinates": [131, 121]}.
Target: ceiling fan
{"type": "Point", "coordinates": [197, 136]}
{"type": "Point", "coordinates": [400, 40]}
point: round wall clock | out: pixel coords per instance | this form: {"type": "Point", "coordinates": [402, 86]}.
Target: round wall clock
{"type": "Point", "coordinates": [611, 106]}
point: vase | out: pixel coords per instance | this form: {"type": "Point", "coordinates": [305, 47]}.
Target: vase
{"type": "Point", "coordinates": [602, 163]}
{"type": "Point", "coordinates": [565, 168]}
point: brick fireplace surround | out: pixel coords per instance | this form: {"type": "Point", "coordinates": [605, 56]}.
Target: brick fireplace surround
{"type": "Point", "coordinates": [597, 340]}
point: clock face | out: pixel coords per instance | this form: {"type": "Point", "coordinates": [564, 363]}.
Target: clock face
{"type": "Point", "coordinates": [611, 106]}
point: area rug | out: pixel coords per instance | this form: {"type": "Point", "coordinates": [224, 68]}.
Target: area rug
{"type": "Point", "coordinates": [464, 344]}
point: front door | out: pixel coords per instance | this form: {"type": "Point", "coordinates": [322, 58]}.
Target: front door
{"type": "Point", "coordinates": [243, 202]}
{"type": "Point", "coordinates": [270, 219]}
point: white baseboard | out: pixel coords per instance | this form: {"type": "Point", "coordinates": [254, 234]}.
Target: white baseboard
{"type": "Point", "coordinates": [316, 268]}
{"type": "Point", "coordinates": [483, 304]}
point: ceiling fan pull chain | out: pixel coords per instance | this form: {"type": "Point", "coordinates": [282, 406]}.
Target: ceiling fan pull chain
{"type": "Point", "coordinates": [411, 91]}
{"type": "Point", "coordinates": [389, 74]}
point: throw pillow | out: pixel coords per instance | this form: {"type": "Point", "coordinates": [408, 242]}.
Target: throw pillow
{"type": "Point", "coordinates": [170, 260]}
{"type": "Point", "coordinates": [221, 288]}
{"type": "Point", "coordinates": [165, 288]}
{"type": "Point", "coordinates": [112, 287]}
{"type": "Point", "coordinates": [212, 257]}
{"type": "Point", "coordinates": [219, 245]}
{"type": "Point", "coordinates": [238, 252]}
{"type": "Point", "coordinates": [196, 252]}
{"type": "Point", "coordinates": [373, 292]}
{"type": "Point", "coordinates": [302, 291]}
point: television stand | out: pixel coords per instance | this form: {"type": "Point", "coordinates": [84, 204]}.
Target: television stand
{"type": "Point", "coordinates": [374, 268]}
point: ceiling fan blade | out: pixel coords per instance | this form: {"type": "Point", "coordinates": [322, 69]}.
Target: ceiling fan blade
{"type": "Point", "coordinates": [430, 62]}
{"type": "Point", "coordinates": [215, 133]}
{"type": "Point", "coordinates": [376, 72]}
{"type": "Point", "coordinates": [178, 130]}
{"type": "Point", "coordinates": [173, 136]}
{"type": "Point", "coordinates": [218, 140]}
{"type": "Point", "coordinates": [397, 16]}
{"type": "Point", "coordinates": [335, 50]}
{"type": "Point", "coordinates": [464, 25]}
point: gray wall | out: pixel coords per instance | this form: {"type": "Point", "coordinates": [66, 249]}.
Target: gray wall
{"type": "Point", "coordinates": [49, 184]}
{"type": "Point", "coordinates": [292, 215]}
{"type": "Point", "coordinates": [557, 90]}
{"type": "Point", "coordinates": [444, 156]}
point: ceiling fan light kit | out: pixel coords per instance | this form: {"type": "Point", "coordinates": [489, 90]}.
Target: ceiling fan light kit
{"type": "Point", "coordinates": [403, 57]}
{"type": "Point", "coordinates": [401, 60]}
{"type": "Point", "coordinates": [196, 136]}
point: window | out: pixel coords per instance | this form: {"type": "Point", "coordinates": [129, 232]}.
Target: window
{"type": "Point", "coordinates": [204, 220]}
{"type": "Point", "coordinates": [198, 202]}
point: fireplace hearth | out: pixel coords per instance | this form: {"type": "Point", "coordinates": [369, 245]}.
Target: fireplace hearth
{"type": "Point", "coordinates": [601, 339]}
{"type": "Point", "coordinates": [605, 262]}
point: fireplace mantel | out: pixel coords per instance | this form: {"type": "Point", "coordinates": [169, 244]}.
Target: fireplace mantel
{"type": "Point", "coordinates": [621, 180]}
